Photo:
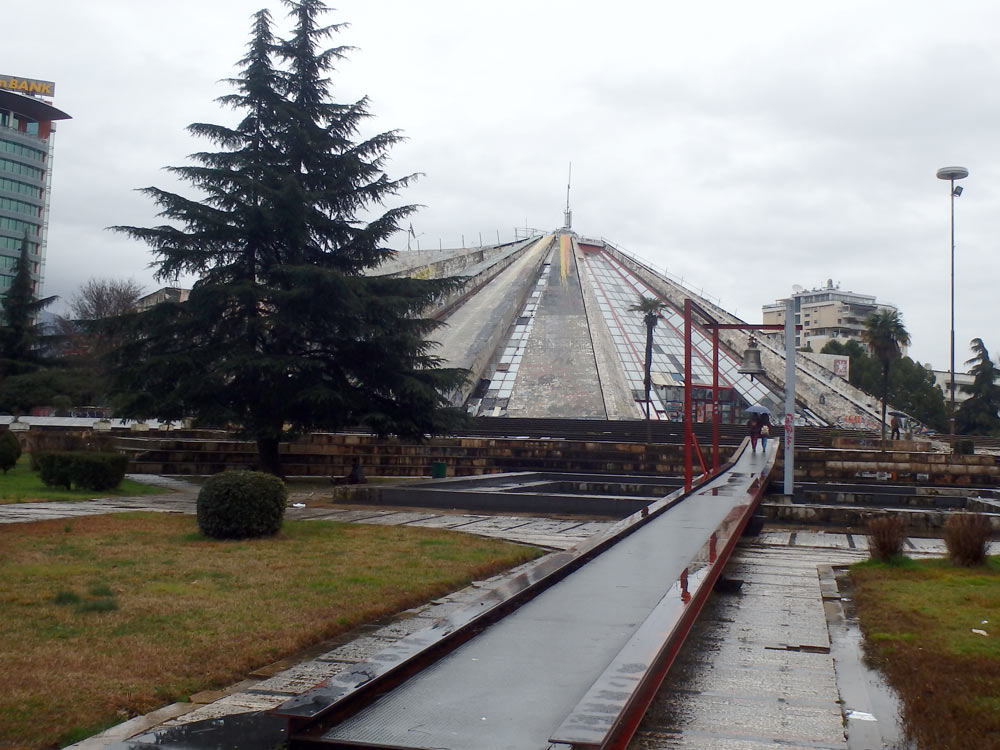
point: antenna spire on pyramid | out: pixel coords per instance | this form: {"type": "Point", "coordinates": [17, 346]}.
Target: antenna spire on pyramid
{"type": "Point", "coordinates": [567, 214]}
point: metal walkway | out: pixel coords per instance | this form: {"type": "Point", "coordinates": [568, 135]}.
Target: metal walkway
{"type": "Point", "coordinates": [567, 655]}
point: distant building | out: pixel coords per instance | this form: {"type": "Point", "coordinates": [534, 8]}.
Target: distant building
{"type": "Point", "coordinates": [27, 127]}
{"type": "Point", "coordinates": [826, 314]}
{"type": "Point", "coordinates": [942, 379]}
{"type": "Point", "coordinates": [166, 294]}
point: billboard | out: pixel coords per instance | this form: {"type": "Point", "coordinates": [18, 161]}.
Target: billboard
{"type": "Point", "coordinates": [29, 86]}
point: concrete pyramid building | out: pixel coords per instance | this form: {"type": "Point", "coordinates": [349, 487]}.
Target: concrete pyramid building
{"type": "Point", "coordinates": [543, 326]}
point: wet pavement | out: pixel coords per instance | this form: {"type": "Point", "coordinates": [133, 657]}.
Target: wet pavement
{"type": "Point", "coordinates": [528, 676]}
{"type": "Point", "coordinates": [548, 533]}
{"type": "Point", "coordinates": [756, 672]}
{"type": "Point", "coordinates": [181, 500]}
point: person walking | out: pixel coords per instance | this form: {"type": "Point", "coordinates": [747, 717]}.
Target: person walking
{"type": "Point", "coordinates": [753, 425]}
{"type": "Point", "coordinates": [765, 431]}
{"type": "Point", "coordinates": [895, 427]}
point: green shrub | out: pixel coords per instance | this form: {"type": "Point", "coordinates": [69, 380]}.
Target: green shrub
{"type": "Point", "coordinates": [965, 447]}
{"type": "Point", "coordinates": [53, 441]}
{"type": "Point", "coordinates": [55, 469]}
{"type": "Point", "coordinates": [967, 536]}
{"type": "Point", "coordinates": [93, 471]}
{"type": "Point", "coordinates": [100, 471]}
{"type": "Point", "coordinates": [241, 504]}
{"type": "Point", "coordinates": [10, 450]}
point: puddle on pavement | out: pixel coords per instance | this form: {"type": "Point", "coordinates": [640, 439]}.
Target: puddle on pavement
{"type": "Point", "coordinates": [251, 731]}
{"type": "Point", "coordinates": [872, 708]}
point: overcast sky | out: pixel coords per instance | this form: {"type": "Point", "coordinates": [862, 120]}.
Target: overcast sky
{"type": "Point", "coordinates": [745, 147]}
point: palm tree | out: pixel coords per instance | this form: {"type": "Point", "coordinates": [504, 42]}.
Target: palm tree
{"type": "Point", "coordinates": [885, 334]}
{"type": "Point", "coordinates": [650, 307]}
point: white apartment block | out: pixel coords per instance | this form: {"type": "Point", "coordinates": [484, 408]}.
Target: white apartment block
{"type": "Point", "coordinates": [826, 314]}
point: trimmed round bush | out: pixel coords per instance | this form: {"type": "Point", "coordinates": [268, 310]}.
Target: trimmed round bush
{"type": "Point", "coordinates": [241, 505]}
{"type": "Point", "coordinates": [10, 450]}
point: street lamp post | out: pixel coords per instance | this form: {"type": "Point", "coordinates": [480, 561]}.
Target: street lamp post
{"type": "Point", "coordinates": [951, 174]}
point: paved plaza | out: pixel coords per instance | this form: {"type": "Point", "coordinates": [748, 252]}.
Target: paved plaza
{"type": "Point", "coordinates": [757, 672]}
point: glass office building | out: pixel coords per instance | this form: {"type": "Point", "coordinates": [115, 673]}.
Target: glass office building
{"type": "Point", "coordinates": [26, 139]}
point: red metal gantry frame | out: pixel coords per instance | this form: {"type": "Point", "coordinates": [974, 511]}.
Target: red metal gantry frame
{"type": "Point", "coordinates": [690, 441]}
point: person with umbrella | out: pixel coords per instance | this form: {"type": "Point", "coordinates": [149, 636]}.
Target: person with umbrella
{"type": "Point", "coordinates": [759, 426]}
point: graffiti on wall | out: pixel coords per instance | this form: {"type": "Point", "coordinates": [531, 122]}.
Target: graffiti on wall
{"type": "Point", "coordinates": [858, 422]}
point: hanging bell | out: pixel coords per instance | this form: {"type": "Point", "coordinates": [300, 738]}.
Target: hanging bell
{"type": "Point", "coordinates": [751, 360]}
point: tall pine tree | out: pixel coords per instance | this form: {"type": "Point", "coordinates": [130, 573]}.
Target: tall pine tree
{"type": "Point", "coordinates": [283, 329]}
{"type": "Point", "coordinates": [980, 413]}
{"type": "Point", "coordinates": [21, 334]}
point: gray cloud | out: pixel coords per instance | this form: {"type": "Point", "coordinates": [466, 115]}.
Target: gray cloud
{"type": "Point", "coordinates": [743, 146]}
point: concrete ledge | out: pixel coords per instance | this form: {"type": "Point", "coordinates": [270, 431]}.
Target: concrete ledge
{"type": "Point", "coordinates": [919, 521]}
{"type": "Point", "coordinates": [534, 492]}
{"type": "Point", "coordinates": [132, 727]}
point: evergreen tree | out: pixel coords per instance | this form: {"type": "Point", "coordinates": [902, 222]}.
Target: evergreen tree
{"type": "Point", "coordinates": [913, 389]}
{"type": "Point", "coordinates": [911, 385]}
{"type": "Point", "coordinates": [283, 327]}
{"type": "Point", "coordinates": [21, 335]}
{"type": "Point", "coordinates": [29, 375]}
{"type": "Point", "coordinates": [978, 414]}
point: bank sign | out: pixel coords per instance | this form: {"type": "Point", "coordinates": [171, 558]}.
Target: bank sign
{"type": "Point", "coordinates": [27, 85]}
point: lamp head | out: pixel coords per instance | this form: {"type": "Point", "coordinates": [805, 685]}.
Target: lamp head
{"type": "Point", "coordinates": [952, 173]}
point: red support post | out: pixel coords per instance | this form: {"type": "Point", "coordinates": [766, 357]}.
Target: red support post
{"type": "Point", "coordinates": [688, 416]}
{"type": "Point", "coordinates": [715, 400]}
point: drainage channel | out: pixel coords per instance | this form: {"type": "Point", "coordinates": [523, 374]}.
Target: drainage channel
{"type": "Point", "coordinates": [871, 707]}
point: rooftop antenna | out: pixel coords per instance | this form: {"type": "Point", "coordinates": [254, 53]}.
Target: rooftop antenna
{"type": "Point", "coordinates": [567, 214]}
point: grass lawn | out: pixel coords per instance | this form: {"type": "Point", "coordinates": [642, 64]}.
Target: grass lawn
{"type": "Point", "coordinates": [22, 485]}
{"type": "Point", "coordinates": [106, 617]}
{"type": "Point", "coordinates": [918, 618]}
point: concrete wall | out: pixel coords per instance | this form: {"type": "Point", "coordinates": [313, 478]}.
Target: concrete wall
{"type": "Point", "coordinates": [473, 336]}
{"type": "Point", "coordinates": [439, 264]}
{"type": "Point", "coordinates": [895, 467]}
{"type": "Point", "coordinates": [477, 276]}
{"type": "Point", "coordinates": [327, 454]}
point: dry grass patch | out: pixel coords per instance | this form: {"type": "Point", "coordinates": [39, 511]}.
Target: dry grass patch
{"type": "Point", "coordinates": [105, 617]}
{"type": "Point", "coordinates": [967, 536]}
{"type": "Point", "coordinates": [918, 618]}
{"type": "Point", "coordinates": [886, 537]}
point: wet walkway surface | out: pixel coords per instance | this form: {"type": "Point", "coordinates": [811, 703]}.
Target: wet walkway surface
{"type": "Point", "coordinates": [755, 673]}
{"type": "Point", "coordinates": [181, 500]}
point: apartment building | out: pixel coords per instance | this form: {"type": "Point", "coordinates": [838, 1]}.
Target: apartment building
{"type": "Point", "coordinates": [27, 129]}
{"type": "Point", "coordinates": [826, 314]}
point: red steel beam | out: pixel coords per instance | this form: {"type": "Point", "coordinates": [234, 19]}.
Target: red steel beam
{"type": "Point", "coordinates": [610, 712]}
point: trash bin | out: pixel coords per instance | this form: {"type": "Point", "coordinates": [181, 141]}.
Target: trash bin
{"type": "Point", "coordinates": [439, 469]}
